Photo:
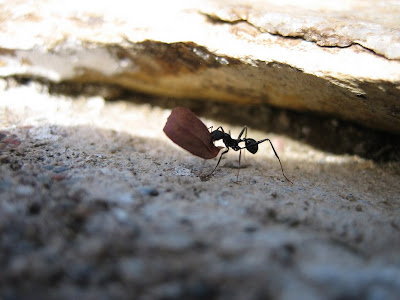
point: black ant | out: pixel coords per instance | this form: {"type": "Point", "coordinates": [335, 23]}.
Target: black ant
{"type": "Point", "coordinates": [250, 145]}
{"type": "Point", "coordinates": [185, 129]}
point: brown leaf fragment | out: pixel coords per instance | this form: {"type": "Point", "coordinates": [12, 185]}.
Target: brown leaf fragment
{"type": "Point", "coordinates": [186, 130]}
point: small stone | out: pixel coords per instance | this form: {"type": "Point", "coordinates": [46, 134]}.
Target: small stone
{"type": "Point", "coordinates": [60, 169]}
{"type": "Point", "coordinates": [34, 208]}
{"type": "Point", "coordinates": [171, 241]}
{"type": "Point", "coordinates": [179, 171]}
{"type": "Point", "coordinates": [4, 185]}
{"type": "Point", "coordinates": [201, 290]}
{"type": "Point", "coordinates": [15, 166]}
{"type": "Point", "coordinates": [168, 291]}
{"type": "Point", "coordinates": [124, 198]}
{"type": "Point", "coordinates": [24, 190]}
{"type": "Point", "coordinates": [250, 228]}
{"type": "Point", "coordinates": [284, 254]}
{"type": "Point", "coordinates": [131, 269]}
{"type": "Point", "coordinates": [2, 135]}
{"type": "Point", "coordinates": [148, 191]}
{"type": "Point", "coordinates": [114, 149]}
{"type": "Point", "coordinates": [58, 177]}
{"type": "Point", "coordinates": [81, 273]}
{"type": "Point", "coordinates": [350, 197]}
{"type": "Point", "coordinates": [12, 141]}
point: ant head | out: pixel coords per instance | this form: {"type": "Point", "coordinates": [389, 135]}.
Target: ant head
{"type": "Point", "coordinates": [251, 145]}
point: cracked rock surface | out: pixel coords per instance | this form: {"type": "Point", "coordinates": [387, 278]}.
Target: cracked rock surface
{"type": "Point", "coordinates": [340, 59]}
{"type": "Point", "coordinates": [342, 24]}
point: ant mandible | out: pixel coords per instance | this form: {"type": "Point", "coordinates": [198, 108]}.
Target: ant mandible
{"type": "Point", "coordinates": [250, 145]}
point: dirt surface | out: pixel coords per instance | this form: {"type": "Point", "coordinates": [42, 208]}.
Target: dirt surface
{"type": "Point", "coordinates": [97, 203]}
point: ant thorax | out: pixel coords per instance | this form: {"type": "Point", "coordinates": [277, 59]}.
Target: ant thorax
{"type": "Point", "coordinates": [231, 143]}
{"type": "Point", "coordinates": [217, 135]}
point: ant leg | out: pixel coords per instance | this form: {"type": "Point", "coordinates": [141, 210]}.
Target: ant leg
{"type": "Point", "coordinates": [276, 154]}
{"type": "Point", "coordinates": [244, 130]}
{"type": "Point", "coordinates": [237, 175]}
{"type": "Point", "coordinates": [219, 160]}
{"type": "Point", "coordinates": [219, 127]}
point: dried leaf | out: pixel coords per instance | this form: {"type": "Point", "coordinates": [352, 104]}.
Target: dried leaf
{"type": "Point", "coordinates": [186, 130]}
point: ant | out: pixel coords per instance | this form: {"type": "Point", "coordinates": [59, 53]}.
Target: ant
{"type": "Point", "coordinates": [186, 130]}
{"type": "Point", "coordinates": [250, 145]}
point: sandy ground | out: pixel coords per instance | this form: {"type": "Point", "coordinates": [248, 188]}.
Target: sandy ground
{"type": "Point", "coordinates": [97, 203]}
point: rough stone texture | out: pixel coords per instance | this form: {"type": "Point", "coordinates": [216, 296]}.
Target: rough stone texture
{"type": "Point", "coordinates": [97, 203]}
{"type": "Point", "coordinates": [339, 59]}
{"type": "Point", "coordinates": [340, 24]}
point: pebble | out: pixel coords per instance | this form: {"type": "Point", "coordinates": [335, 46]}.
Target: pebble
{"type": "Point", "coordinates": [170, 290]}
{"type": "Point", "coordinates": [171, 241]}
{"type": "Point", "coordinates": [182, 171]}
{"type": "Point", "coordinates": [60, 169]}
{"type": "Point", "coordinates": [2, 135]}
{"type": "Point", "coordinates": [124, 198]}
{"type": "Point", "coordinates": [12, 141]}
{"type": "Point", "coordinates": [58, 177]}
{"type": "Point", "coordinates": [24, 190]}
{"type": "Point", "coordinates": [250, 228]}
{"type": "Point", "coordinates": [121, 215]}
{"type": "Point", "coordinates": [34, 208]}
{"type": "Point", "coordinates": [148, 191]}
{"type": "Point", "coordinates": [131, 269]}
{"type": "Point", "coordinates": [4, 185]}
{"type": "Point", "coordinates": [201, 290]}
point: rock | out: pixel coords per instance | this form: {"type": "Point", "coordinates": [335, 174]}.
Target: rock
{"type": "Point", "coordinates": [341, 60]}
{"type": "Point", "coordinates": [335, 27]}
{"type": "Point", "coordinates": [148, 191]}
